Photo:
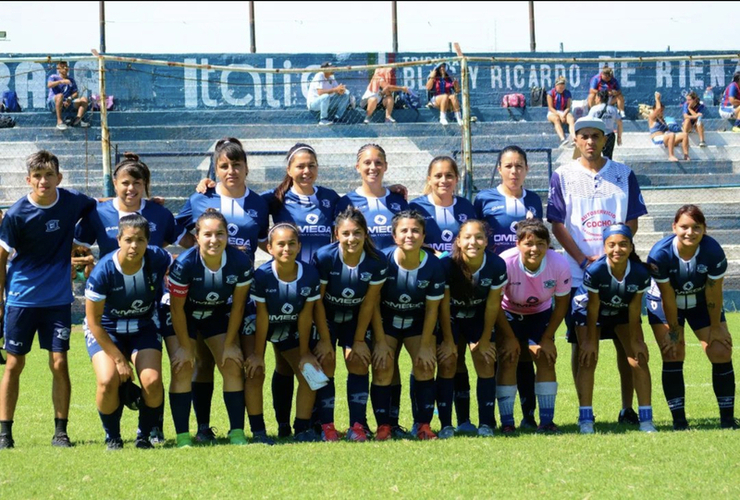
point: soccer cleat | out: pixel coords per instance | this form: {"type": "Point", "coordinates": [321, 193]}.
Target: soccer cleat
{"type": "Point", "coordinates": [586, 427]}
{"type": "Point", "coordinates": [398, 432]}
{"type": "Point", "coordinates": [550, 428]}
{"type": "Point", "coordinates": [112, 444]}
{"type": "Point", "coordinates": [183, 440]}
{"type": "Point", "coordinates": [647, 427]}
{"type": "Point", "coordinates": [385, 433]}
{"type": "Point", "coordinates": [261, 437]}
{"type": "Point", "coordinates": [284, 430]}
{"type": "Point", "coordinates": [307, 436]}
{"type": "Point", "coordinates": [466, 428]}
{"type": "Point", "coordinates": [680, 425]}
{"type": "Point", "coordinates": [702, 144]}
{"type": "Point", "coordinates": [236, 436]}
{"type": "Point", "coordinates": [508, 430]}
{"type": "Point", "coordinates": [329, 433]}
{"type": "Point", "coordinates": [528, 423]}
{"type": "Point", "coordinates": [729, 423]}
{"type": "Point", "coordinates": [156, 437]}
{"type": "Point", "coordinates": [485, 431]}
{"type": "Point", "coordinates": [425, 433]}
{"type": "Point", "coordinates": [446, 432]}
{"type": "Point", "coordinates": [6, 442]}
{"type": "Point", "coordinates": [357, 433]}
{"type": "Point", "coordinates": [143, 444]}
{"type": "Point", "coordinates": [324, 123]}
{"type": "Point", "coordinates": [206, 436]}
{"type": "Point", "coordinates": [628, 416]}
{"type": "Point", "coordinates": [414, 429]}
{"type": "Point", "coordinates": [61, 440]}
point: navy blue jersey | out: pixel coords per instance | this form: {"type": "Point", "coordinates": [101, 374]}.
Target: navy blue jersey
{"type": "Point", "coordinates": [346, 286]}
{"type": "Point", "coordinates": [247, 217]}
{"type": "Point", "coordinates": [502, 212]}
{"type": "Point", "coordinates": [404, 294]}
{"type": "Point", "coordinates": [614, 295]}
{"type": "Point", "coordinates": [209, 292]}
{"type": "Point", "coordinates": [102, 226]}
{"type": "Point", "coordinates": [286, 299]}
{"type": "Point", "coordinates": [443, 223]}
{"type": "Point", "coordinates": [378, 213]}
{"type": "Point", "coordinates": [312, 215]}
{"type": "Point", "coordinates": [130, 299]}
{"type": "Point", "coordinates": [491, 276]}
{"type": "Point", "coordinates": [688, 278]}
{"type": "Point", "coordinates": [41, 237]}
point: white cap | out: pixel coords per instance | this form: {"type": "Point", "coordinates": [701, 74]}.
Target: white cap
{"type": "Point", "coordinates": [589, 122]}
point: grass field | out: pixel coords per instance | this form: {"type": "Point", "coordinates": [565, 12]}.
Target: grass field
{"type": "Point", "coordinates": [616, 462]}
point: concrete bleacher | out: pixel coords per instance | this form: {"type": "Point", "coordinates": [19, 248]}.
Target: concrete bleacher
{"type": "Point", "coordinates": [410, 144]}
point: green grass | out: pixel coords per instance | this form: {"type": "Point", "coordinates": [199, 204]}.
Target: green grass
{"type": "Point", "coordinates": [615, 462]}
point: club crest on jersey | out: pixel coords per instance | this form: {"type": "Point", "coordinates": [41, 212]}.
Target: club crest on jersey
{"type": "Point", "coordinates": [366, 276]}
{"type": "Point", "coordinates": [632, 288]}
{"type": "Point", "coordinates": [701, 268]}
{"type": "Point", "coordinates": [252, 213]}
{"type": "Point", "coordinates": [232, 229]}
{"type": "Point", "coordinates": [152, 227]}
{"type": "Point", "coordinates": [422, 283]}
{"type": "Point", "coordinates": [549, 284]}
{"type": "Point", "coordinates": [231, 279]}
{"type": "Point", "coordinates": [462, 217]}
{"type": "Point", "coordinates": [52, 225]}
{"type": "Point", "coordinates": [287, 308]}
{"type": "Point", "coordinates": [326, 203]}
{"type": "Point", "coordinates": [312, 218]}
{"type": "Point", "coordinates": [485, 282]}
{"type": "Point", "coordinates": [395, 207]}
{"type": "Point", "coordinates": [305, 291]}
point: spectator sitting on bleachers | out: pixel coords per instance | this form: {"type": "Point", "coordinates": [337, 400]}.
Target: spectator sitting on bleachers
{"type": "Point", "coordinates": [444, 89]}
{"type": "Point", "coordinates": [693, 109]}
{"type": "Point", "coordinates": [327, 96]}
{"type": "Point", "coordinates": [605, 81]}
{"type": "Point", "coordinates": [380, 90]}
{"type": "Point", "coordinates": [661, 135]}
{"type": "Point", "coordinates": [558, 110]}
{"type": "Point", "coordinates": [612, 121]}
{"type": "Point", "coordinates": [730, 106]}
{"type": "Point", "coordinates": [63, 94]}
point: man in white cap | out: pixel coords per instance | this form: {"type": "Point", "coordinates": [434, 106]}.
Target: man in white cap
{"type": "Point", "coordinates": [586, 196]}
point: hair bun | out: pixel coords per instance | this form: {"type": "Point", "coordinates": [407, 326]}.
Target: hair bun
{"type": "Point", "coordinates": [131, 156]}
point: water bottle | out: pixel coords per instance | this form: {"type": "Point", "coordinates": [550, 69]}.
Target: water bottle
{"type": "Point", "coordinates": [708, 97]}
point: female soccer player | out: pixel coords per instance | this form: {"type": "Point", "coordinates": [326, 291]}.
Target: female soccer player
{"type": "Point", "coordinates": [352, 273]}
{"type": "Point", "coordinates": [410, 302]}
{"type": "Point", "coordinates": [209, 285]}
{"type": "Point", "coordinates": [247, 216]}
{"type": "Point", "coordinates": [121, 294]}
{"type": "Point", "coordinates": [444, 212]}
{"type": "Point", "coordinates": [537, 278]}
{"type": "Point", "coordinates": [688, 268]}
{"type": "Point", "coordinates": [610, 298]}
{"type": "Point", "coordinates": [475, 278]}
{"type": "Point", "coordinates": [285, 291]}
{"type": "Point", "coordinates": [502, 207]}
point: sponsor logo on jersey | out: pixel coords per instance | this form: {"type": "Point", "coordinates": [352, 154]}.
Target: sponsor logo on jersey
{"type": "Point", "coordinates": [287, 308]}
{"type": "Point", "coordinates": [137, 309]}
{"type": "Point", "coordinates": [447, 235]}
{"type": "Point", "coordinates": [52, 225]}
{"type": "Point", "coordinates": [366, 276]}
{"type": "Point", "coordinates": [232, 229]}
{"type": "Point", "coordinates": [404, 299]}
{"type": "Point", "coordinates": [271, 290]}
{"type": "Point", "coordinates": [231, 279]}
{"type": "Point", "coordinates": [380, 219]}
{"type": "Point", "coordinates": [312, 218]}
{"type": "Point", "coordinates": [348, 293]}
{"type": "Point", "coordinates": [512, 226]}
{"type": "Point", "coordinates": [212, 297]}
{"type": "Point", "coordinates": [549, 284]}
{"type": "Point", "coordinates": [688, 286]}
{"type": "Point", "coordinates": [616, 299]}
{"type": "Point", "coordinates": [305, 291]}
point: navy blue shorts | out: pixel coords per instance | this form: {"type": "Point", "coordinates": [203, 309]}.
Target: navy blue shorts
{"type": "Point", "coordinates": [571, 319]}
{"type": "Point", "coordinates": [148, 338]}
{"type": "Point", "coordinates": [163, 317]}
{"type": "Point", "coordinates": [470, 329]}
{"type": "Point", "coordinates": [529, 328]}
{"type": "Point", "coordinates": [213, 325]}
{"type": "Point", "coordinates": [54, 325]}
{"type": "Point", "coordinates": [405, 333]}
{"type": "Point", "coordinates": [343, 334]}
{"type": "Point", "coordinates": [607, 331]}
{"type": "Point", "coordinates": [698, 317]}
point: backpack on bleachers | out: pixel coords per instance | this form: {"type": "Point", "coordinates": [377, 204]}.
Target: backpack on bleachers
{"type": "Point", "coordinates": [538, 97]}
{"type": "Point", "coordinates": [407, 100]}
{"type": "Point", "coordinates": [513, 101]}
{"type": "Point", "coordinates": [9, 102]}
{"type": "Point", "coordinates": [6, 122]}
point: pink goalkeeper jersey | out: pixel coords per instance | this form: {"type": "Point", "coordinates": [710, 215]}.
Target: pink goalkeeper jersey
{"type": "Point", "coordinates": [530, 293]}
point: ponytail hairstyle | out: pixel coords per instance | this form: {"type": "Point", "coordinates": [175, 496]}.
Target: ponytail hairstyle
{"type": "Point", "coordinates": [211, 213]}
{"type": "Point", "coordinates": [408, 214]}
{"type": "Point", "coordinates": [134, 221]}
{"type": "Point", "coordinates": [133, 166]}
{"type": "Point", "coordinates": [624, 230]}
{"type": "Point", "coordinates": [603, 97]}
{"type": "Point", "coordinates": [512, 149]}
{"type": "Point", "coordinates": [435, 160]}
{"type": "Point", "coordinates": [371, 145]}
{"type": "Point", "coordinates": [354, 215]}
{"type": "Point", "coordinates": [461, 278]}
{"type": "Point", "coordinates": [232, 149]}
{"type": "Point", "coordinates": [533, 227]}
{"type": "Point", "coordinates": [283, 225]}
{"type": "Point", "coordinates": [287, 182]}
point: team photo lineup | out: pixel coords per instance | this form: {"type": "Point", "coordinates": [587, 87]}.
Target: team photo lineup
{"type": "Point", "coordinates": [361, 277]}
